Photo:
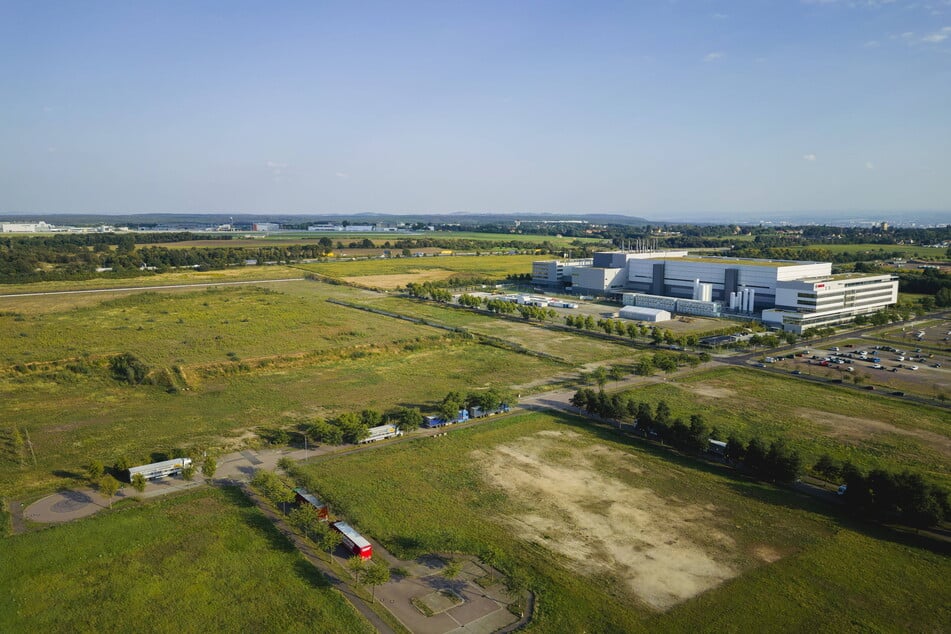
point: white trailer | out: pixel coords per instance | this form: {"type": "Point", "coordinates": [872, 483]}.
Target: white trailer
{"type": "Point", "coordinates": [162, 469]}
{"type": "Point", "coordinates": [381, 433]}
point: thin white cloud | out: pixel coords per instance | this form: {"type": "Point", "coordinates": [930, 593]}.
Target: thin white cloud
{"type": "Point", "coordinates": [937, 36]}
{"type": "Point", "coordinates": [720, 16]}
{"type": "Point", "coordinates": [871, 44]}
{"type": "Point", "coordinates": [342, 175]}
{"type": "Point", "coordinates": [869, 165]}
{"type": "Point", "coordinates": [714, 56]}
{"type": "Point", "coordinates": [276, 169]}
{"type": "Point", "coordinates": [808, 157]}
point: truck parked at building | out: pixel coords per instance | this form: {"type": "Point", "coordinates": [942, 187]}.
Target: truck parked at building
{"type": "Point", "coordinates": [162, 469]}
{"type": "Point", "coordinates": [431, 422]}
{"type": "Point", "coordinates": [382, 432]}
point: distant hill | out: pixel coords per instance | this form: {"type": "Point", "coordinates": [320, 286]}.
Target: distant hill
{"type": "Point", "coordinates": [203, 220]}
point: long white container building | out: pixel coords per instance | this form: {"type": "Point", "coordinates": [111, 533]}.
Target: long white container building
{"type": "Point", "coordinates": [162, 469]}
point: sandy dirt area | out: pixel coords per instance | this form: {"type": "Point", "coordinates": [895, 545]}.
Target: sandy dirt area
{"type": "Point", "coordinates": [664, 550]}
{"type": "Point", "coordinates": [710, 391]}
{"type": "Point", "coordinates": [858, 429]}
{"type": "Point", "coordinates": [399, 280]}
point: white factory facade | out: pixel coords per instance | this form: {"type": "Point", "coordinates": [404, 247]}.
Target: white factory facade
{"type": "Point", "coordinates": [793, 295]}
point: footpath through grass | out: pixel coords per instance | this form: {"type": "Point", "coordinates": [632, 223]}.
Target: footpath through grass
{"type": "Point", "coordinates": [438, 495]}
{"type": "Point", "coordinates": [204, 561]}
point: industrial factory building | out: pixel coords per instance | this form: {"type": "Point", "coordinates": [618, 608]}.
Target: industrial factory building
{"type": "Point", "coordinates": [793, 295]}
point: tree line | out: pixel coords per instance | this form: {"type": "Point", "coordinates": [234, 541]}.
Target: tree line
{"type": "Point", "coordinates": [880, 495]}
{"type": "Point", "coordinates": [352, 427]}
{"type": "Point", "coordinates": [888, 496]}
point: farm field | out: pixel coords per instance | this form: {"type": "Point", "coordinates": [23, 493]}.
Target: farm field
{"type": "Point", "coordinates": [201, 561]}
{"type": "Point", "coordinates": [869, 430]}
{"type": "Point", "coordinates": [615, 537]}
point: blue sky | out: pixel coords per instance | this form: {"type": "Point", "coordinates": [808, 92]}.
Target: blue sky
{"type": "Point", "coordinates": [659, 109]}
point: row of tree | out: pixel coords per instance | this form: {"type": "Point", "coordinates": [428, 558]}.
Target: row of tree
{"type": "Point", "coordinates": [888, 496]}
{"type": "Point", "coordinates": [352, 427]}
{"type": "Point", "coordinates": [775, 463]}
{"type": "Point", "coordinates": [306, 519]}
{"type": "Point", "coordinates": [880, 495]}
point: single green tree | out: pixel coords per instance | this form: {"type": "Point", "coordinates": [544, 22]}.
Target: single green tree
{"type": "Point", "coordinates": [377, 573]}
{"type": "Point", "coordinates": [328, 539]}
{"type": "Point", "coordinates": [109, 486]}
{"type": "Point", "coordinates": [138, 482]}
{"type": "Point", "coordinates": [357, 567]}
{"type": "Point", "coordinates": [94, 470]}
{"type": "Point", "coordinates": [283, 495]}
{"type": "Point", "coordinates": [188, 472]}
{"type": "Point", "coordinates": [209, 467]}
{"type": "Point", "coordinates": [452, 571]}
{"type": "Point", "coordinates": [644, 366]}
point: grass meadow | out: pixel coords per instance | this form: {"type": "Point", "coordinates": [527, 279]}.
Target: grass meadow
{"type": "Point", "coordinates": [907, 251]}
{"type": "Point", "coordinates": [573, 348]}
{"type": "Point", "coordinates": [208, 325]}
{"type": "Point", "coordinates": [869, 430]}
{"type": "Point", "coordinates": [380, 238]}
{"type": "Point", "coordinates": [187, 276]}
{"type": "Point", "coordinates": [437, 495]}
{"type": "Point", "coordinates": [73, 419]}
{"type": "Point", "coordinates": [496, 266]}
{"type": "Point", "coordinates": [203, 561]}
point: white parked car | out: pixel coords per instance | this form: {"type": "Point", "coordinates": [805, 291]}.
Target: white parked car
{"type": "Point", "coordinates": [914, 367]}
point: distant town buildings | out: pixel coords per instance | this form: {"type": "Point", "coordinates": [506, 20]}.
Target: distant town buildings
{"type": "Point", "coordinates": [25, 227]}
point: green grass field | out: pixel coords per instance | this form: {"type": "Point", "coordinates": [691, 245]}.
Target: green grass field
{"type": "Point", "coordinates": [199, 326]}
{"type": "Point", "coordinates": [869, 430]}
{"type": "Point", "coordinates": [234, 274]}
{"type": "Point", "coordinates": [73, 419]}
{"type": "Point", "coordinates": [380, 238]}
{"type": "Point", "coordinates": [496, 266]}
{"type": "Point", "coordinates": [907, 251]}
{"type": "Point", "coordinates": [450, 494]}
{"type": "Point", "coordinates": [201, 561]}
{"type": "Point", "coordinates": [571, 347]}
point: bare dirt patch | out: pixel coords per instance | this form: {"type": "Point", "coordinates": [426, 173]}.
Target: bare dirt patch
{"type": "Point", "coordinates": [400, 280]}
{"type": "Point", "coordinates": [857, 429]}
{"type": "Point", "coordinates": [766, 553]}
{"type": "Point", "coordinates": [665, 551]}
{"type": "Point", "coordinates": [708, 390]}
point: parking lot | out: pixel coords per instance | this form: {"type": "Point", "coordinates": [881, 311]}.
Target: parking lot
{"type": "Point", "coordinates": [914, 361]}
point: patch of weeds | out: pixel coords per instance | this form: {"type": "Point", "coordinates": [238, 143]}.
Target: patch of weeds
{"type": "Point", "coordinates": [422, 607]}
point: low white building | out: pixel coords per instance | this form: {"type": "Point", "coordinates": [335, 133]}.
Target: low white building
{"type": "Point", "coordinates": [641, 313]}
{"type": "Point", "coordinates": [25, 227]}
